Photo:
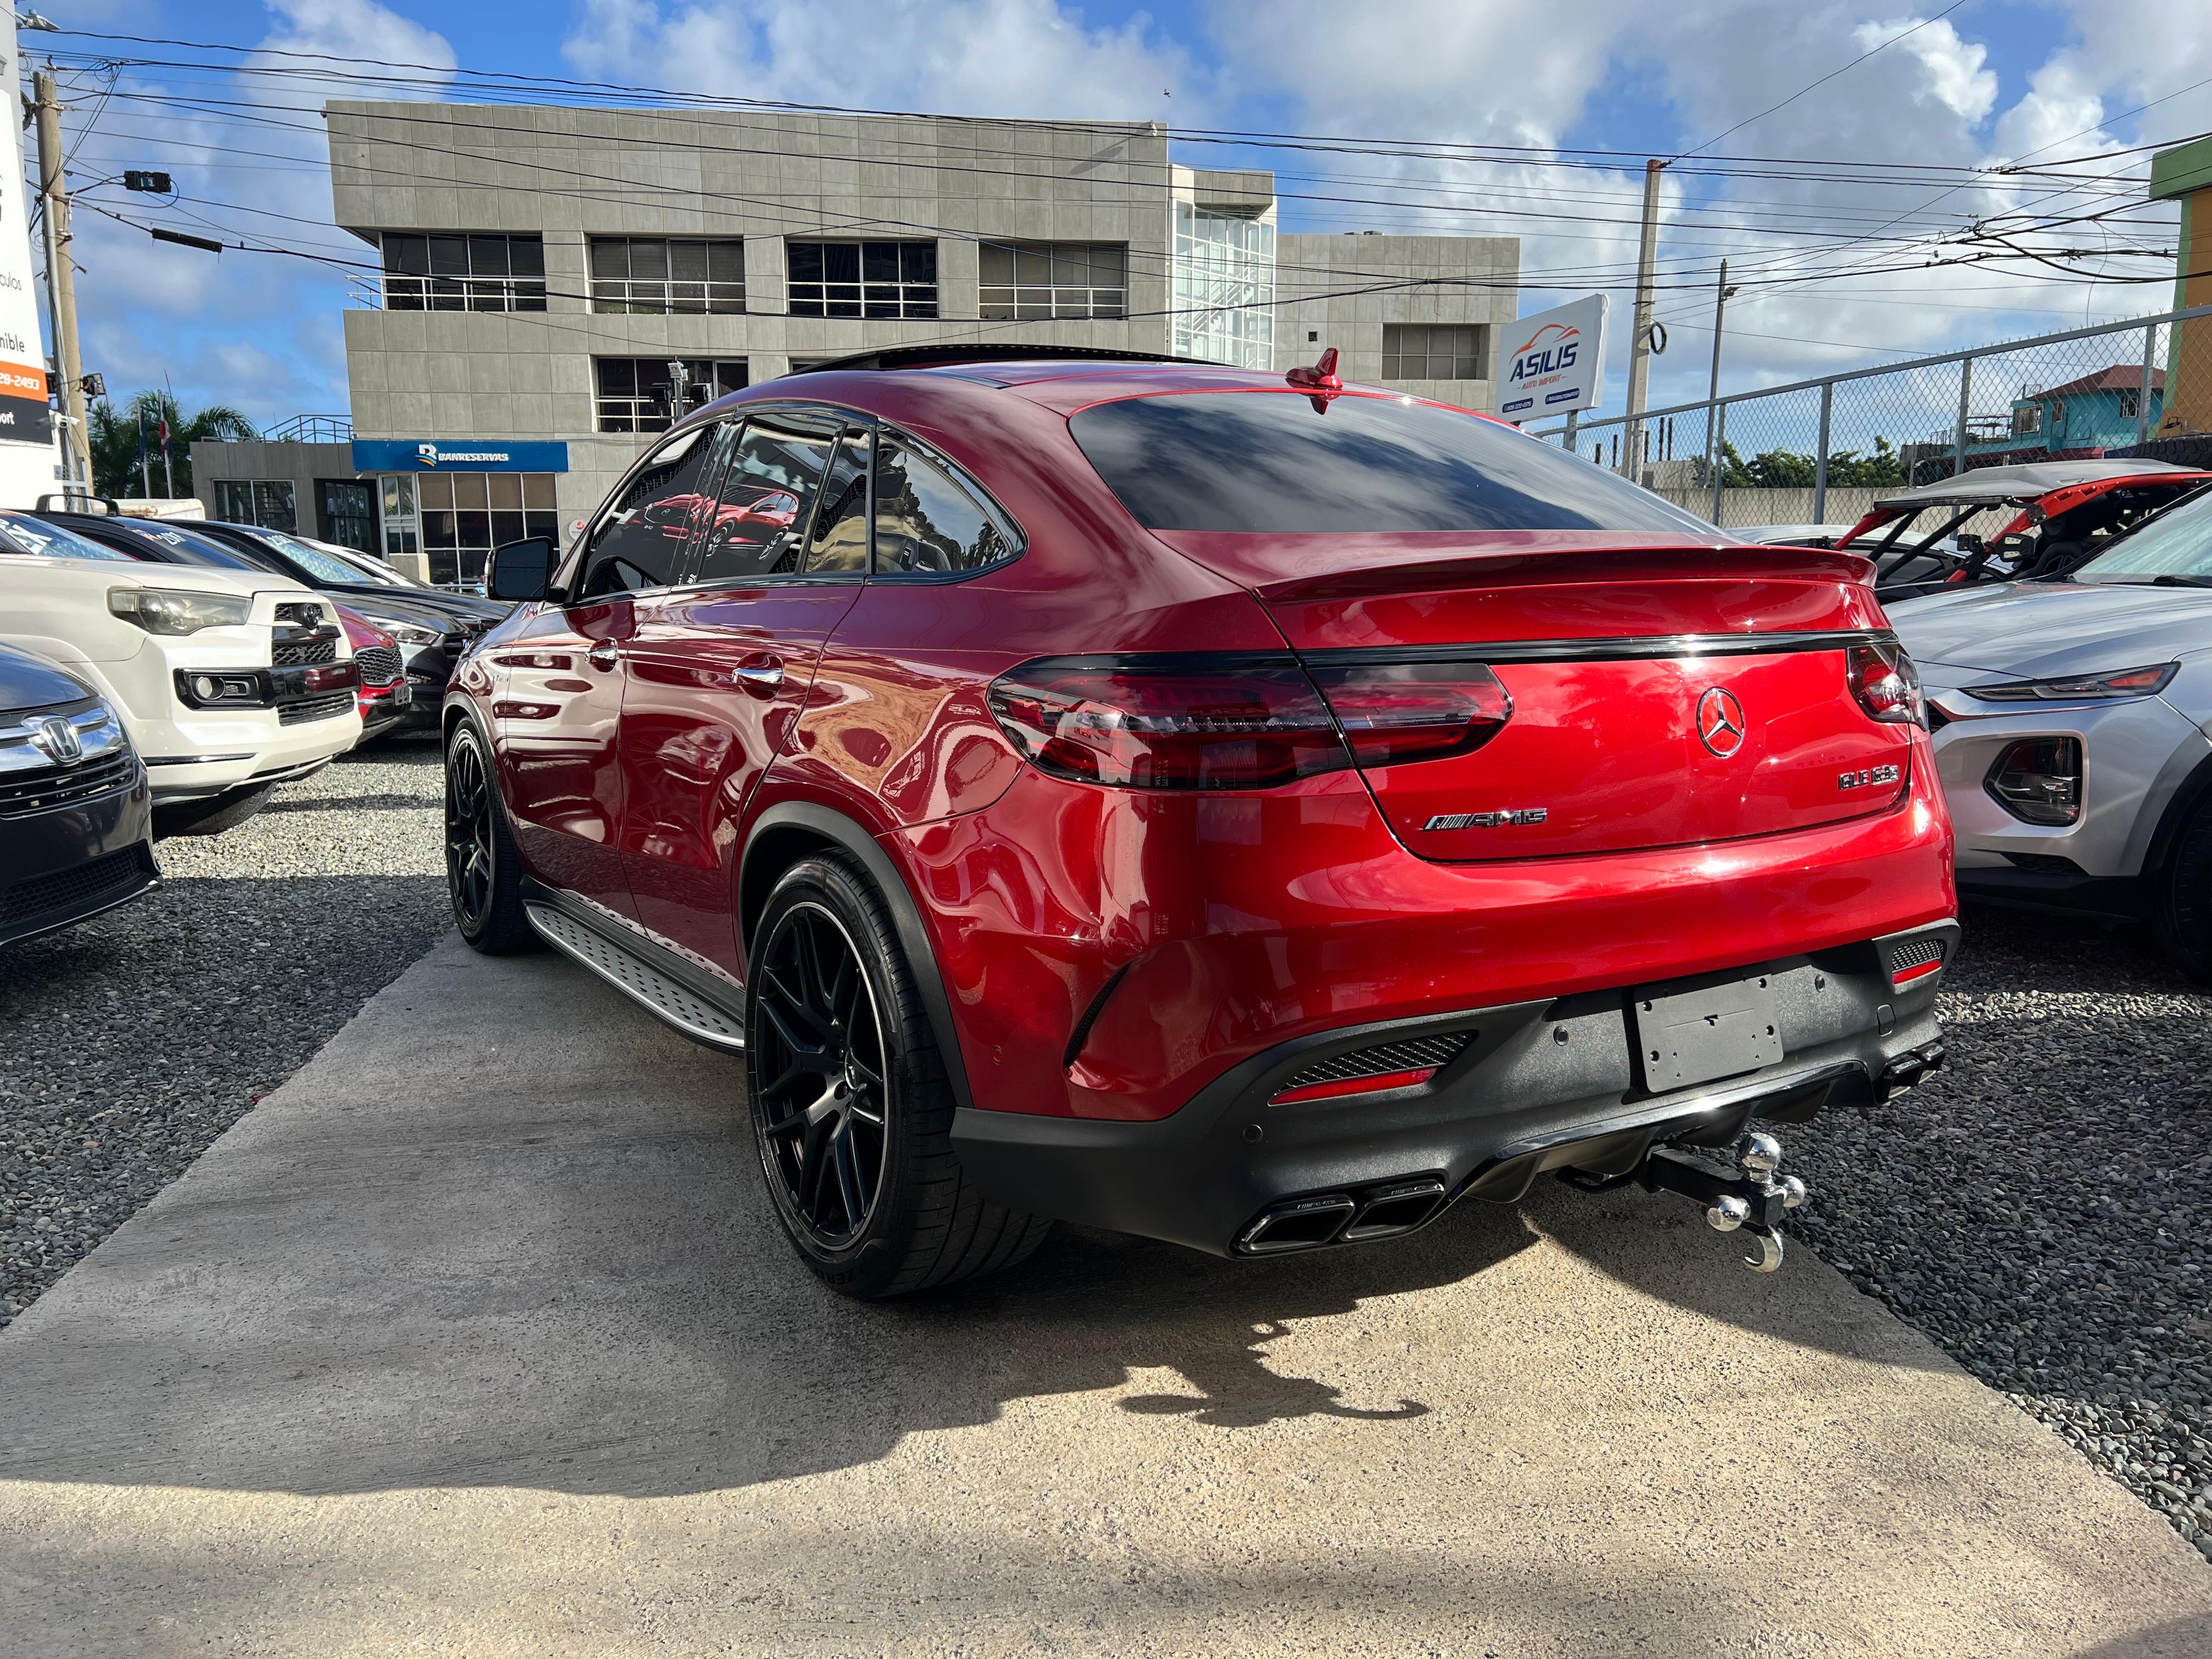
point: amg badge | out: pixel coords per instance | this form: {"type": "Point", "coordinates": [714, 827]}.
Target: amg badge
{"type": "Point", "coordinates": [1871, 776]}
{"type": "Point", "coordinates": [1487, 820]}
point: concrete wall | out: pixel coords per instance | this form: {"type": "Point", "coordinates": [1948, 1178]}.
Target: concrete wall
{"type": "Point", "coordinates": [1742, 507]}
{"type": "Point", "coordinates": [1472, 279]}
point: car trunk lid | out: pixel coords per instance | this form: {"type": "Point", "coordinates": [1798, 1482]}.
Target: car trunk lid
{"type": "Point", "coordinates": [1660, 695]}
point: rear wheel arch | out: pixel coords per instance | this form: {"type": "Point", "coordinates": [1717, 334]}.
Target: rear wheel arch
{"type": "Point", "coordinates": [792, 831]}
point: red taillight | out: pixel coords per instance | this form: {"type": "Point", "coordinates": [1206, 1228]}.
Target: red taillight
{"type": "Point", "coordinates": [1169, 722]}
{"type": "Point", "coordinates": [1392, 712]}
{"type": "Point", "coordinates": [1886, 684]}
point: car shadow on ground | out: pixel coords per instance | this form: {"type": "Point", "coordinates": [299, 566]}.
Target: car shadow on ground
{"type": "Point", "coordinates": [509, 1232]}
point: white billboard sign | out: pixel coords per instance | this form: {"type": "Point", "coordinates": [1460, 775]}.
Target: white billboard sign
{"type": "Point", "coordinates": [26, 426]}
{"type": "Point", "coordinates": [1557, 362]}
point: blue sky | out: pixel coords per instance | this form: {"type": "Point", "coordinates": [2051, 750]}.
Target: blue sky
{"type": "Point", "coordinates": [1987, 81]}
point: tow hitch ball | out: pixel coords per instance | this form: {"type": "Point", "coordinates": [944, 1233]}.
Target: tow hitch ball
{"type": "Point", "coordinates": [1742, 1196]}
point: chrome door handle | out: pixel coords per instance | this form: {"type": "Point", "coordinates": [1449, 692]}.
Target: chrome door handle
{"type": "Point", "coordinates": [759, 675]}
{"type": "Point", "coordinates": [604, 654]}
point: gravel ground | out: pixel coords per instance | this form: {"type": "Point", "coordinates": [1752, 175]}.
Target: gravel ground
{"type": "Point", "coordinates": [2040, 1206]}
{"type": "Point", "coordinates": [2037, 1208]}
{"type": "Point", "coordinates": [133, 1041]}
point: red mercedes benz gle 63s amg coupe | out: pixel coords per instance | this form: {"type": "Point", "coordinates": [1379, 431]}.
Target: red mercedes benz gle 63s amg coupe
{"type": "Point", "coordinates": [1247, 810]}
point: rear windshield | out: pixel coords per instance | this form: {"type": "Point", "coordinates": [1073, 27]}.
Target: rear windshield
{"type": "Point", "coordinates": [1272, 462]}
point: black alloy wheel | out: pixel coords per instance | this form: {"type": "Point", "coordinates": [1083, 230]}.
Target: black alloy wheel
{"type": "Point", "coordinates": [821, 1106]}
{"type": "Point", "coordinates": [852, 1111]}
{"type": "Point", "coordinates": [483, 872]}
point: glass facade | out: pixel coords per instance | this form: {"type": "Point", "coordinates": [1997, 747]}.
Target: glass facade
{"type": "Point", "coordinates": [456, 519]}
{"type": "Point", "coordinates": [1224, 287]}
{"type": "Point", "coordinates": [272, 503]}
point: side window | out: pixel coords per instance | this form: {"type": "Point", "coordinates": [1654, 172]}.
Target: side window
{"type": "Point", "coordinates": [759, 525]}
{"type": "Point", "coordinates": [640, 542]}
{"type": "Point", "coordinates": [840, 539]}
{"type": "Point", "coordinates": [925, 522]}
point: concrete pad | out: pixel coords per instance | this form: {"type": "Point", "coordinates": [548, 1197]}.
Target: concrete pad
{"type": "Point", "coordinates": [477, 1338]}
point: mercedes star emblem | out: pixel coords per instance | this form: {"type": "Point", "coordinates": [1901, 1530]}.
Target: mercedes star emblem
{"type": "Point", "coordinates": [1720, 721]}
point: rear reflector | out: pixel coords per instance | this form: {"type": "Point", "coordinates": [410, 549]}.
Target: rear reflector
{"type": "Point", "coordinates": [1169, 722]}
{"type": "Point", "coordinates": [1915, 959]}
{"type": "Point", "coordinates": [1355, 1085]}
{"type": "Point", "coordinates": [1398, 1064]}
{"type": "Point", "coordinates": [1392, 712]}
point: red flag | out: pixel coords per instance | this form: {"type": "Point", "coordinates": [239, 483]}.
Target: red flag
{"type": "Point", "coordinates": [163, 432]}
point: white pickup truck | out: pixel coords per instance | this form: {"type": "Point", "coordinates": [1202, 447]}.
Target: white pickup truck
{"type": "Point", "coordinates": [231, 682]}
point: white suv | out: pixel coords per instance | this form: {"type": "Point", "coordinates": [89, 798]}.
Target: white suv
{"type": "Point", "coordinates": [232, 682]}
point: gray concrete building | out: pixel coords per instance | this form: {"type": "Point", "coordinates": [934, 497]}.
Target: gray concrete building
{"type": "Point", "coordinates": [553, 284]}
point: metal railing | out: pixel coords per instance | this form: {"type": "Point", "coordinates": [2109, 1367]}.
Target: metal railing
{"type": "Point", "coordinates": [391, 291]}
{"type": "Point", "coordinates": [310, 429]}
{"type": "Point", "coordinates": [1047, 302]}
{"type": "Point", "coordinates": [662, 296]}
{"type": "Point", "coordinates": [633, 414]}
{"type": "Point", "coordinates": [910, 299]}
{"type": "Point", "coordinates": [2111, 388]}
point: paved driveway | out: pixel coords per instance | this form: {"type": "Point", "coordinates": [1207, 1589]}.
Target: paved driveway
{"type": "Point", "coordinates": [476, 1338]}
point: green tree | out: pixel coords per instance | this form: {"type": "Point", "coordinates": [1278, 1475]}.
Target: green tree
{"type": "Point", "coordinates": [1786, 469]}
{"type": "Point", "coordinates": [114, 436]}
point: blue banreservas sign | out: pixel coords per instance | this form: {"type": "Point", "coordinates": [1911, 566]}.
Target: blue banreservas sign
{"type": "Point", "coordinates": [458, 455]}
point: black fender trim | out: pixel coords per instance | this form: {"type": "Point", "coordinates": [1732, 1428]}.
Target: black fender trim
{"type": "Point", "coordinates": [2185, 799]}
{"type": "Point", "coordinates": [848, 835]}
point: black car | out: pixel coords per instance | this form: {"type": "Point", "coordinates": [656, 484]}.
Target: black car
{"type": "Point", "coordinates": [403, 611]}
{"type": "Point", "coordinates": [76, 813]}
{"type": "Point", "coordinates": [434, 628]}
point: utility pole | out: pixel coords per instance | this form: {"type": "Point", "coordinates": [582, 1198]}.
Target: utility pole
{"type": "Point", "coordinates": [1640, 346]}
{"type": "Point", "coordinates": [1722, 292]}
{"type": "Point", "coordinates": [61, 276]}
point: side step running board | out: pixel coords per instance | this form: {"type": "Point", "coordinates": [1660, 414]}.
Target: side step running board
{"type": "Point", "coordinates": [697, 1018]}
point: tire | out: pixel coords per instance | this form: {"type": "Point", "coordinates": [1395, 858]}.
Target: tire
{"type": "Point", "coordinates": [210, 816]}
{"type": "Point", "coordinates": [851, 1110]}
{"type": "Point", "coordinates": [484, 871]}
{"type": "Point", "coordinates": [2181, 899]}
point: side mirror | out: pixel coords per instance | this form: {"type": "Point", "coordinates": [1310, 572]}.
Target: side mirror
{"type": "Point", "coordinates": [522, 570]}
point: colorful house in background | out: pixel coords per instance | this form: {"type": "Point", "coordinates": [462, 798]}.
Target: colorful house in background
{"type": "Point", "coordinates": [2183, 175]}
{"type": "Point", "coordinates": [2079, 419]}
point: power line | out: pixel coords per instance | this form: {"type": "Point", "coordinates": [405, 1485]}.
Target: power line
{"type": "Point", "coordinates": [1924, 23]}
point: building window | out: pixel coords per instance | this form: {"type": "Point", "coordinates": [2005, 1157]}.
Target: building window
{"type": "Point", "coordinates": [2027, 420]}
{"type": "Point", "coordinates": [395, 503]}
{"type": "Point", "coordinates": [1224, 292]}
{"type": "Point", "coordinates": [1436, 351]}
{"type": "Point", "coordinates": [634, 394]}
{"type": "Point", "coordinates": [863, 279]}
{"type": "Point", "coordinates": [1047, 282]}
{"type": "Point", "coordinates": [2131, 401]}
{"type": "Point", "coordinates": [442, 271]}
{"type": "Point", "coordinates": [464, 515]}
{"type": "Point", "coordinates": [656, 275]}
{"type": "Point", "coordinates": [272, 503]}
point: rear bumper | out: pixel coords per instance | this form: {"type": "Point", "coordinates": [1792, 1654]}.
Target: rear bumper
{"type": "Point", "coordinates": [64, 866]}
{"type": "Point", "coordinates": [1538, 1085]}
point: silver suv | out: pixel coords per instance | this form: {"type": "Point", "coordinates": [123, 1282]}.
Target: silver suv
{"type": "Point", "coordinates": [2073, 731]}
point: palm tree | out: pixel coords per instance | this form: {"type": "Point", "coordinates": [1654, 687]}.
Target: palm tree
{"type": "Point", "coordinates": [114, 436]}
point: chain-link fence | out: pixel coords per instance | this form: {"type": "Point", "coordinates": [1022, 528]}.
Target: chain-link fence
{"type": "Point", "coordinates": [1819, 452]}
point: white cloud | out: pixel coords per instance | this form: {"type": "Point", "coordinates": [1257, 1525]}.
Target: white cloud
{"type": "Point", "coordinates": [1953, 74]}
{"type": "Point", "coordinates": [148, 309]}
{"type": "Point", "coordinates": [1008, 58]}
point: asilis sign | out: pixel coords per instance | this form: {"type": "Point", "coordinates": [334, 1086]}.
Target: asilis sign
{"type": "Point", "coordinates": [1556, 363]}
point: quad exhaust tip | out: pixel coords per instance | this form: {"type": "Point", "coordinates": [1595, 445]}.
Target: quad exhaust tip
{"type": "Point", "coordinates": [1389, 1210]}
